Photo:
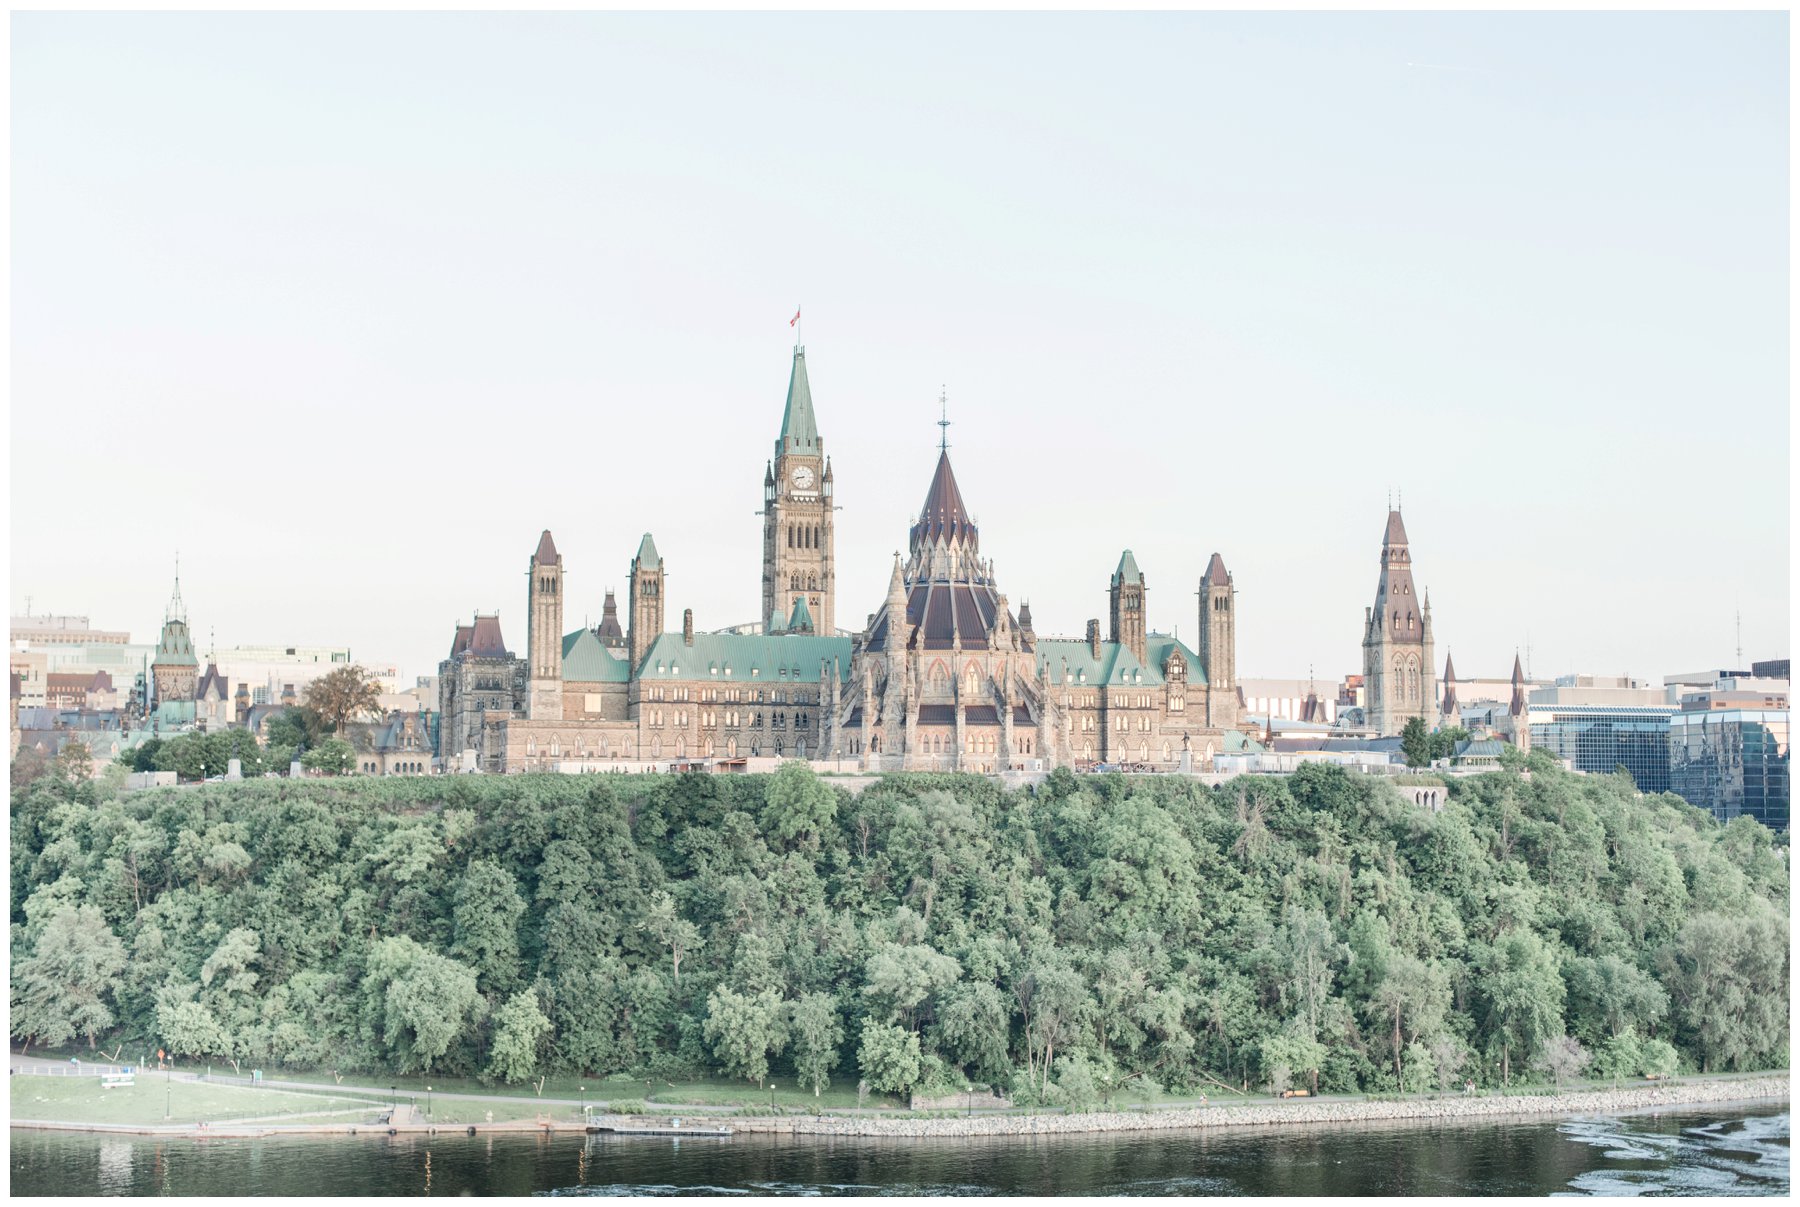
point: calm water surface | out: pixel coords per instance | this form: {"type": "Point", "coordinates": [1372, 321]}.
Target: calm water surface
{"type": "Point", "coordinates": [1712, 1151]}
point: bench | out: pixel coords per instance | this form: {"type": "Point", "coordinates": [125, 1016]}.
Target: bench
{"type": "Point", "coordinates": [114, 1081]}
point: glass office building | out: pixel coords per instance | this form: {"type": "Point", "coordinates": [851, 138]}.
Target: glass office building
{"type": "Point", "coordinates": [1599, 739]}
{"type": "Point", "coordinates": [1733, 762]}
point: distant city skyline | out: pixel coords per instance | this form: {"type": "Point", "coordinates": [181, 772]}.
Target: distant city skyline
{"type": "Point", "coordinates": [349, 308]}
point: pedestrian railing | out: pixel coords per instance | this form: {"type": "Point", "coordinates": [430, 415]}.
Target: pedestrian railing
{"type": "Point", "coordinates": [77, 1070]}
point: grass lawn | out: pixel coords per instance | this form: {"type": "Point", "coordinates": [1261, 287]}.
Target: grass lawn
{"type": "Point", "coordinates": [82, 1100]}
{"type": "Point", "coordinates": [706, 1092]}
{"type": "Point", "coordinates": [836, 1097]}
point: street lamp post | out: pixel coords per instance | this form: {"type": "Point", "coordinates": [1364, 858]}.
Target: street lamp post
{"type": "Point", "coordinates": [771, 1098]}
{"type": "Point", "coordinates": [169, 1093]}
{"type": "Point", "coordinates": [428, 1102]}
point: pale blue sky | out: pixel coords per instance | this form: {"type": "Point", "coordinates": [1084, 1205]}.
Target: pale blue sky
{"type": "Point", "coordinates": [349, 307]}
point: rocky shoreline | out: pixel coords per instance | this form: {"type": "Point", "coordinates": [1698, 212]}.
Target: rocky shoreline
{"type": "Point", "coordinates": [1573, 1103]}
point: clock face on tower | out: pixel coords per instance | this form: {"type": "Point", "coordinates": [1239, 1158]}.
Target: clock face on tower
{"type": "Point", "coordinates": [803, 477]}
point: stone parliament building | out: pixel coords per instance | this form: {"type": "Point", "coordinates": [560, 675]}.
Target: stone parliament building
{"type": "Point", "coordinates": [944, 676]}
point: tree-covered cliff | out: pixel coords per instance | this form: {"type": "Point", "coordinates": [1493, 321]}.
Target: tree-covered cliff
{"type": "Point", "coordinates": [929, 931]}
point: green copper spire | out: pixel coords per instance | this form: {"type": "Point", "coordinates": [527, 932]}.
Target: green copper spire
{"type": "Point", "coordinates": [648, 558]}
{"type": "Point", "coordinates": [799, 432]}
{"type": "Point", "coordinates": [1128, 570]}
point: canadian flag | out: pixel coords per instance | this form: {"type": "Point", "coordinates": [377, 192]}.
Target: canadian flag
{"type": "Point", "coordinates": [796, 318]}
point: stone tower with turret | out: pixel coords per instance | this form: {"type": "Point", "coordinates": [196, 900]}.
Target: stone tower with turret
{"type": "Point", "coordinates": [544, 611]}
{"type": "Point", "coordinates": [1399, 675]}
{"type": "Point", "coordinates": [1125, 597]}
{"type": "Point", "coordinates": [175, 671]}
{"type": "Point", "coordinates": [646, 622]}
{"type": "Point", "coordinates": [798, 526]}
{"type": "Point", "coordinates": [1218, 643]}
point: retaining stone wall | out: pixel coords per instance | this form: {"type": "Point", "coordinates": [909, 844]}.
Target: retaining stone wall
{"type": "Point", "coordinates": [1573, 1103]}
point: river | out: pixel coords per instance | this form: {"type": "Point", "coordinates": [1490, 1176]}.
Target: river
{"type": "Point", "coordinates": [1712, 1150]}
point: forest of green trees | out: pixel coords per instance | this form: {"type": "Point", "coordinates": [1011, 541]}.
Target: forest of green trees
{"type": "Point", "coordinates": [1056, 942]}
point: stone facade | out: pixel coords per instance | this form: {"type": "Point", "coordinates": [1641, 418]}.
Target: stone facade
{"type": "Point", "coordinates": [175, 671]}
{"type": "Point", "coordinates": [1399, 669]}
{"type": "Point", "coordinates": [798, 521]}
{"type": "Point", "coordinates": [944, 676]}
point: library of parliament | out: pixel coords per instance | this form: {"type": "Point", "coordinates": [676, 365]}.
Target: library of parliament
{"type": "Point", "coordinates": [946, 675]}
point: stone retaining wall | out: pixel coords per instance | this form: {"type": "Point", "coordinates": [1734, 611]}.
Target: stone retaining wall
{"type": "Point", "coordinates": [1572, 1103]}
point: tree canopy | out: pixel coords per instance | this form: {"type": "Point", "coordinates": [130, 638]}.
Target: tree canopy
{"type": "Point", "coordinates": [924, 933]}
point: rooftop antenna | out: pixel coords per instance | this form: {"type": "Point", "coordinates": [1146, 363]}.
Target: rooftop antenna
{"type": "Point", "coordinates": [943, 419]}
{"type": "Point", "coordinates": [1740, 640]}
{"type": "Point", "coordinates": [28, 605]}
{"type": "Point", "coordinates": [1528, 653]}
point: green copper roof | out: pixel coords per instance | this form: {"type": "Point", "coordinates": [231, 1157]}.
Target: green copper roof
{"type": "Point", "coordinates": [802, 618]}
{"type": "Point", "coordinates": [738, 659]}
{"type": "Point", "coordinates": [647, 556]}
{"type": "Point", "coordinates": [1128, 571]}
{"type": "Point", "coordinates": [587, 660]}
{"type": "Point", "coordinates": [776, 623]}
{"type": "Point", "coordinates": [176, 647]}
{"type": "Point", "coordinates": [799, 432]}
{"type": "Point", "coordinates": [1237, 742]}
{"type": "Point", "coordinates": [1116, 666]}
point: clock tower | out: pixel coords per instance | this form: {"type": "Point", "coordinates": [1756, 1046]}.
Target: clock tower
{"type": "Point", "coordinates": [797, 514]}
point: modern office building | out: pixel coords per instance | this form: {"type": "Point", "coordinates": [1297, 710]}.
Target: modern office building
{"type": "Point", "coordinates": [1728, 753]}
{"type": "Point", "coordinates": [1599, 739]}
{"type": "Point", "coordinates": [1599, 723]}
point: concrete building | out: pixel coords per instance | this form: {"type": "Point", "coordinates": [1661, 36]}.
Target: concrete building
{"type": "Point", "coordinates": [67, 645]}
{"type": "Point", "coordinates": [1291, 699]}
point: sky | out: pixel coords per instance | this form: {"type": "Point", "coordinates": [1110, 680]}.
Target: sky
{"type": "Point", "coordinates": [347, 308]}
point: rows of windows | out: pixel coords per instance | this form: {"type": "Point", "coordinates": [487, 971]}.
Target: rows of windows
{"type": "Point", "coordinates": [803, 536]}
{"type": "Point", "coordinates": [1733, 763]}
{"type": "Point", "coordinates": [1600, 745]}
{"type": "Point", "coordinates": [708, 718]}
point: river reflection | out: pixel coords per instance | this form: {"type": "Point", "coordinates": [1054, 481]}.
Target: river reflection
{"type": "Point", "coordinates": [1710, 1151]}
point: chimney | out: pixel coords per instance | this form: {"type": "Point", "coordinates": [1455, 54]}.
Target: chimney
{"type": "Point", "coordinates": [687, 626]}
{"type": "Point", "coordinates": [1094, 639]}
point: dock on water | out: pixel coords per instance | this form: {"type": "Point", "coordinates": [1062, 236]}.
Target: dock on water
{"type": "Point", "coordinates": [640, 1127]}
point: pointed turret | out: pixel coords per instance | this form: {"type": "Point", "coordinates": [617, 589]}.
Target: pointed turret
{"type": "Point", "coordinates": [544, 631]}
{"type": "Point", "coordinates": [1518, 685]}
{"type": "Point", "coordinates": [943, 517]}
{"type": "Point", "coordinates": [546, 550]}
{"type": "Point", "coordinates": [1396, 529]}
{"type": "Point", "coordinates": [801, 621]}
{"type": "Point", "coordinates": [1216, 575]}
{"type": "Point", "coordinates": [1449, 709]}
{"type": "Point", "coordinates": [799, 431]}
{"type": "Point", "coordinates": [647, 556]}
{"type": "Point", "coordinates": [646, 622]}
{"type": "Point", "coordinates": [776, 623]}
{"type": "Point", "coordinates": [609, 632]}
{"type": "Point", "coordinates": [1126, 597]}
